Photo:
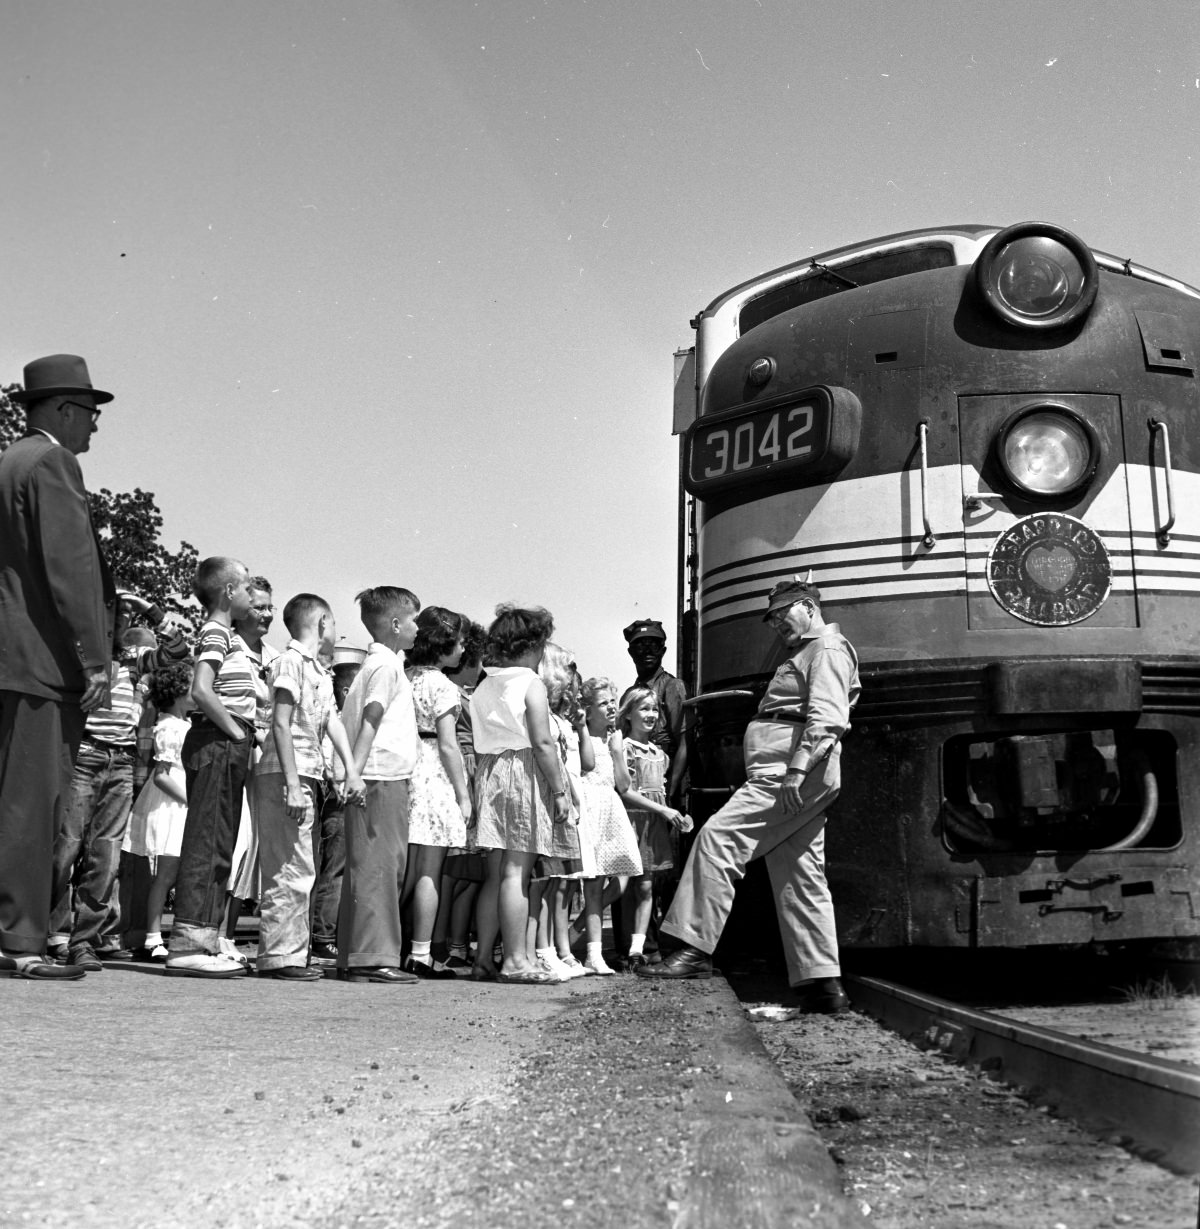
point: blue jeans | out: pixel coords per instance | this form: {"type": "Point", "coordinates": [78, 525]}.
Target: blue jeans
{"type": "Point", "coordinates": [215, 767]}
{"type": "Point", "coordinates": [87, 849]}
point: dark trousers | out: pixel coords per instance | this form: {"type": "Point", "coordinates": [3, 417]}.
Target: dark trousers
{"type": "Point", "coordinates": [376, 857]}
{"type": "Point", "coordinates": [87, 850]}
{"type": "Point", "coordinates": [215, 768]}
{"type": "Point", "coordinates": [38, 741]}
{"type": "Point", "coordinates": [329, 853]}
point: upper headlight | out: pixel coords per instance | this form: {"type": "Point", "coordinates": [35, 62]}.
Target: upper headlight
{"type": "Point", "coordinates": [1047, 451]}
{"type": "Point", "coordinates": [1037, 275]}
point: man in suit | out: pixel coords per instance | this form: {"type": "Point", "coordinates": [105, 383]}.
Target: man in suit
{"type": "Point", "coordinates": [57, 606]}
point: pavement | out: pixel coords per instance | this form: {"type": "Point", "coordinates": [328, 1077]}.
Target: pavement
{"type": "Point", "coordinates": [132, 1099]}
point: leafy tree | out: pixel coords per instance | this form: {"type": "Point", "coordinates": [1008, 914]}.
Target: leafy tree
{"type": "Point", "coordinates": [129, 525]}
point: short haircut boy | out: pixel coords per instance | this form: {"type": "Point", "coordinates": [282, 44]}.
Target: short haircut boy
{"type": "Point", "coordinates": [301, 608]}
{"type": "Point", "coordinates": [212, 576]}
{"type": "Point", "coordinates": [378, 603]}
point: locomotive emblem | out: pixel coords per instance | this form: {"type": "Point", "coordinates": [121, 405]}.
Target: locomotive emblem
{"type": "Point", "coordinates": [1049, 569]}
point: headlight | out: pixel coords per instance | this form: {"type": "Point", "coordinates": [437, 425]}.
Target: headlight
{"type": "Point", "coordinates": [1047, 451]}
{"type": "Point", "coordinates": [1037, 276]}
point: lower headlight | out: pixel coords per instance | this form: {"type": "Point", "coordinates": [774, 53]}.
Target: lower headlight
{"type": "Point", "coordinates": [1047, 451]}
{"type": "Point", "coordinates": [1037, 276]}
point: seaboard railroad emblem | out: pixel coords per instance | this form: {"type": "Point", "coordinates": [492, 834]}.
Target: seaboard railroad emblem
{"type": "Point", "coordinates": [1049, 569]}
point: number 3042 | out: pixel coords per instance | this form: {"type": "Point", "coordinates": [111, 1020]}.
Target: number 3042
{"type": "Point", "coordinates": [759, 442]}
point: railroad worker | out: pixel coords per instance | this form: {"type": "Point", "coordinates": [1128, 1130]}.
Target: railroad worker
{"type": "Point", "coordinates": [793, 774]}
{"type": "Point", "coordinates": [57, 612]}
{"type": "Point", "coordinates": [647, 643]}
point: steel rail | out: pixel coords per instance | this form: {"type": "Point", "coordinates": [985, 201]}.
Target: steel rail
{"type": "Point", "coordinates": [1153, 1103]}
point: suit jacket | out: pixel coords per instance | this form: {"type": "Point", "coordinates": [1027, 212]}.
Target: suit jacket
{"type": "Point", "coordinates": [57, 598]}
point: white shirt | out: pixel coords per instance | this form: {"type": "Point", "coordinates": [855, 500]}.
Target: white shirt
{"type": "Point", "coordinates": [498, 710]}
{"type": "Point", "coordinates": [393, 754]}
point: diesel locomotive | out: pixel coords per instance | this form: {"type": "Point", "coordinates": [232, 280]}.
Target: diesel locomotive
{"type": "Point", "coordinates": [985, 444]}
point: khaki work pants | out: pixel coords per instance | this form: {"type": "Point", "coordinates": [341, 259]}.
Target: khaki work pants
{"type": "Point", "coordinates": [753, 825]}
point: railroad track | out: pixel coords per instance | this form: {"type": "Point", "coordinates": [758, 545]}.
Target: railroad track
{"type": "Point", "coordinates": [1152, 1103]}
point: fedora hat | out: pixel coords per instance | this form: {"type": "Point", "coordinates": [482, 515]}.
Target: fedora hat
{"type": "Point", "coordinates": [55, 375]}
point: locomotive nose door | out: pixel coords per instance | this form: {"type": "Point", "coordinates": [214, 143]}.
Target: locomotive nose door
{"type": "Point", "coordinates": [1046, 522]}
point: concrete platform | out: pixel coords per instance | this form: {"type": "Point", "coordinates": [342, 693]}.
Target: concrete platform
{"type": "Point", "coordinates": [132, 1099]}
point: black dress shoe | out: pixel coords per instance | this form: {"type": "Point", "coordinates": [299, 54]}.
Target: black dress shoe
{"type": "Point", "coordinates": [292, 972]}
{"type": "Point", "coordinates": [427, 972]}
{"type": "Point", "coordinates": [388, 976]}
{"type": "Point", "coordinates": [323, 951]}
{"type": "Point", "coordinates": [84, 958]}
{"type": "Point", "coordinates": [823, 997]}
{"type": "Point", "coordinates": [114, 953]}
{"type": "Point", "coordinates": [686, 962]}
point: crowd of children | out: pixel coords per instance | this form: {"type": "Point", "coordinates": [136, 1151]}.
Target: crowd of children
{"type": "Point", "coordinates": [448, 788]}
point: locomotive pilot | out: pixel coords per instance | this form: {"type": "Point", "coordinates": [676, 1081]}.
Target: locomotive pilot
{"type": "Point", "coordinates": [793, 753]}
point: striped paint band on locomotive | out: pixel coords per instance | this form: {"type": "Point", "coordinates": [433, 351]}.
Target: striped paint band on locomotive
{"type": "Point", "coordinates": [735, 597]}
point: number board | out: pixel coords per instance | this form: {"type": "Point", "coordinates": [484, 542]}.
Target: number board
{"type": "Point", "coordinates": [806, 436]}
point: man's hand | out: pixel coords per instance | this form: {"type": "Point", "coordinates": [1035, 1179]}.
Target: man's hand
{"type": "Point", "coordinates": [96, 689]}
{"type": "Point", "coordinates": [789, 793]}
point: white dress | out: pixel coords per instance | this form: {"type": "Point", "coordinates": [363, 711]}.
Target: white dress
{"type": "Point", "coordinates": [434, 816]}
{"type": "Point", "coordinates": [156, 821]}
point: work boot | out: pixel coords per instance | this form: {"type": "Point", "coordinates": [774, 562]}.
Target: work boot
{"type": "Point", "coordinates": [824, 997]}
{"type": "Point", "coordinates": [685, 962]}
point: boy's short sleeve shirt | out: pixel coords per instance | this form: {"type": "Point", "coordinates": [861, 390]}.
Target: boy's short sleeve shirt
{"type": "Point", "coordinates": [233, 675]}
{"type": "Point", "coordinates": [302, 678]}
{"type": "Point", "coordinates": [393, 754]}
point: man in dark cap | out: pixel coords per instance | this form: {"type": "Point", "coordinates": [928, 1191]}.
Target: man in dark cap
{"type": "Point", "coordinates": [647, 646]}
{"type": "Point", "coordinates": [793, 754]}
{"type": "Point", "coordinates": [57, 609]}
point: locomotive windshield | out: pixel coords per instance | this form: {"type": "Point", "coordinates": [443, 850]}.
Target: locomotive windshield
{"type": "Point", "coordinates": [825, 280]}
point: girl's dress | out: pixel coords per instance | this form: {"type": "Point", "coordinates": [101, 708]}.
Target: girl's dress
{"type": "Point", "coordinates": [467, 863]}
{"type": "Point", "coordinates": [513, 800]}
{"type": "Point", "coordinates": [156, 821]}
{"type": "Point", "coordinates": [647, 771]}
{"type": "Point", "coordinates": [564, 860]}
{"type": "Point", "coordinates": [434, 816]}
{"type": "Point", "coordinates": [607, 842]}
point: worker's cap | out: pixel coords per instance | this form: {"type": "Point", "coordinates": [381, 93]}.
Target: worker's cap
{"type": "Point", "coordinates": [345, 654]}
{"type": "Point", "coordinates": [788, 592]}
{"type": "Point", "coordinates": [644, 629]}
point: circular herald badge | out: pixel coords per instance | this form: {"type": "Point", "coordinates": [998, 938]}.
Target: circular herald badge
{"type": "Point", "coordinates": [1049, 569]}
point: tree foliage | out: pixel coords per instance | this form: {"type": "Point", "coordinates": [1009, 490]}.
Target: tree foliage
{"type": "Point", "coordinates": [129, 525]}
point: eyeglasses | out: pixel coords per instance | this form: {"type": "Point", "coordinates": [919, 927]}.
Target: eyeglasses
{"type": "Point", "coordinates": [75, 405]}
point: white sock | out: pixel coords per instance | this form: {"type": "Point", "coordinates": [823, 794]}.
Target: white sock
{"type": "Point", "coordinates": [459, 950]}
{"type": "Point", "coordinates": [636, 944]}
{"type": "Point", "coordinates": [594, 951]}
{"type": "Point", "coordinates": [420, 953]}
{"type": "Point", "coordinates": [546, 953]}
{"type": "Point", "coordinates": [153, 939]}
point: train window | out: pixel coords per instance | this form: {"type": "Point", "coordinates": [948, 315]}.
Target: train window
{"type": "Point", "coordinates": [820, 281]}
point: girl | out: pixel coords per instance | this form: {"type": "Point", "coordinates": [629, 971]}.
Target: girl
{"type": "Point", "coordinates": [607, 841]}
{"type": "Point", "coordinates": [646, 801]}
{"type": "Point", "coordinates": [552, 888]}
{"type": "Point", "coordinates": [158, 814]}
{"type": "Point", "coordinates": [439, 799]}
{"type": "Point", "coordinates": [520, 786]}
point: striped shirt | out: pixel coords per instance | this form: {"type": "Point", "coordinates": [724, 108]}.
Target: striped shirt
{"type": "Point", "coordinates": [118, 723]}
{"type": "Point", "coordinates": [233, 675]}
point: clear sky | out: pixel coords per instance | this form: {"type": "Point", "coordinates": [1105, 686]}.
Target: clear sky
{"type": "Point", "coordinates": [388, 292]}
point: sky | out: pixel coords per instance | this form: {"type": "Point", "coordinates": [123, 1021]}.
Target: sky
{"type": "Point", "coordinates": [388, 293]}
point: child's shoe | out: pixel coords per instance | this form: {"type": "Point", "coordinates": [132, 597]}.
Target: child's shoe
{"type": "Point", "coordinates": [553, 968]}
{"type": "Point", "coordinates": [158, 953]}
{"type": "Point", "coordinates": [596, 965]}
{"type": "Point", "coordinates": [573, 966]}
{"type": "Point", "coordinates": [230, 949]}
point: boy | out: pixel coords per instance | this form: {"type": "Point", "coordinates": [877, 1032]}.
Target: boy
{"type": "Point", "coordinates": [216, 755]}
{"type": "Point", "coordinates": [381, 725]}
{"type": "Point", "coordinates": [87, 847]}
{"type": "Point", "coordinates": [288, 784]}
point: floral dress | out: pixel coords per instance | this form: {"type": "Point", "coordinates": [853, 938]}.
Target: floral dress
{"type": "Point", "coordinates": [563, 862]}
{"type": "Point", "coordinates": [607, 842]}
{"type": "Point", "coordinates": [647, 772]}
{"type": "Point", "coordinates": [434, 816]}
